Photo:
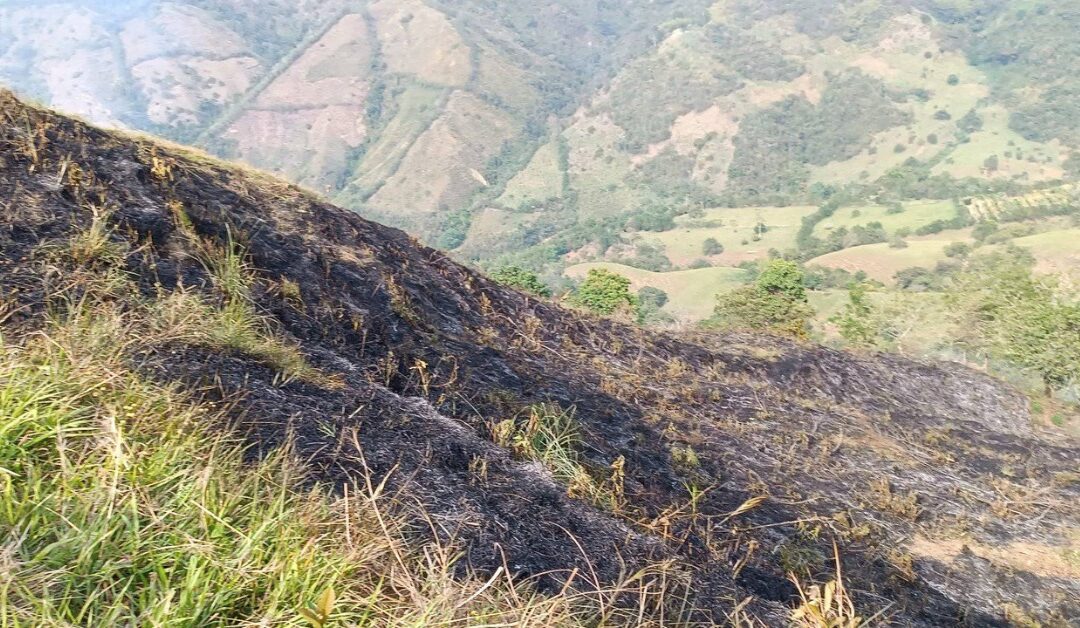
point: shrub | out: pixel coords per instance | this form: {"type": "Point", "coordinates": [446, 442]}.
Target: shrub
{"type": "Point", "coordinates": [524, 280]}
{"type": "Point", "coordinates": [916, 279]}
{"type": "Point", "coordinates": [775, 302]}
{"type": "Point", "coordinates": [649, 297]}
{"type": "Point", "coordinates": [970, 123]}
{"type": "Point", "coordinates": [856, 321]}
{"type": "Point", "coordinates": [604, 292]}
{"type": "Point", "coordinates": [958, 249]}
{"type": "Point", "coordinates": [711, 247]}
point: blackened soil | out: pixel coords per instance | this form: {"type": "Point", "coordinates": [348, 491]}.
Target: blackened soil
{"type": "Point", "coordinates": [873, 452]}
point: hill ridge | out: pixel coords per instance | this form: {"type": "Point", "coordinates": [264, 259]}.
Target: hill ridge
{"type": "Point", "coordinates": [426, 361]}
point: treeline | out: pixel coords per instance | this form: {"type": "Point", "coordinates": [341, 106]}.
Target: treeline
{"type": "Point", "coordinates": [776, 145]}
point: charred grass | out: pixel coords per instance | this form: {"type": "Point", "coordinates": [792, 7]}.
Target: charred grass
{"type": "Point", "coordinates": [365, 388]}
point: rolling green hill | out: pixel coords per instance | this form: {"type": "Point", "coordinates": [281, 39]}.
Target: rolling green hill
{"type": "Point", "coordinates": [692, 292]}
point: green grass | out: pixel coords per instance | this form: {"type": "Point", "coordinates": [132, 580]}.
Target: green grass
{"type": "Point", "coordinates": [1055, 251]}
{"type": "Point", "coordinates": [417, 108]}
{"type": "Point", "coordinates": [539, 181]}
{"type": "Point", "coordinates": [117, 509]}
{"type": "Point", "coordinates": [996, 138]}
{"type": "Point", "coordinates": [881, 262]}
{"type": "Point", "coordinates": [916, 323]}
{"type": "Point", "coordinates": [915, 215]}
{"type": "Point", "coordinates": [733, 227]}
{"type": "Point", "coordinates": [550, 436]}
{"type": "Point", "coordinates": [119, 506]}
{"type": "Point", "coordinates": [691, 293]}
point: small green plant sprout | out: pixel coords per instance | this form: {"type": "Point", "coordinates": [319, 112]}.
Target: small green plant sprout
{"type": "Point", "coordinates": [318, 615]}
{"type": "Point", "coordinates": [828, 605]}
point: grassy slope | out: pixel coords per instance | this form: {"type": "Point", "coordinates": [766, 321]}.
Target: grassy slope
{"type": "Point", "coordinates": [417, 108]}
{"type": "Point", "coordinates": [915, 215]}
{"type": "Point", "coordinates": [691, 293]}
{"type": "Point", "coordinates": [917, 321]}
{"type": "Point", "coordinates": [540, 180]}
{"type": "Point", "coordinates": [1055, 251]}
{"type": "Point", "coordinates": [734, 229]}
{"type": "Point", "coordinates": [881, 262]}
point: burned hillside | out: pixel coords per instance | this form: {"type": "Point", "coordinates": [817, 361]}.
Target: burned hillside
{"type": "Point", "coordinates": [737, 459]}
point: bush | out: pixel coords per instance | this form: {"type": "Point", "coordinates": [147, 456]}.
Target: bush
{"type": "Point", "coordinates": [604, 292]}
{"type": "Point", "coordinates": [775, 302]}
{"type": "Point", "coordinates": [958, 249]}
{"type": "Point", "coordinates": [917, 279]}
{"type": "Point", "coordinates": [711, 247]}
{"type": "Point", "coordinates": [984, 230]}
{"type": "Point", "coordinates": [652, 298]}
{"type": "Point", "coordinates": [524, 280]}
{"type": "Point", "coordinates": [970, 123]}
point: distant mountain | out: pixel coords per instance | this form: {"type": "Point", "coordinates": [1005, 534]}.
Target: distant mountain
{"type": "Point", "coordinates": [513, 127]}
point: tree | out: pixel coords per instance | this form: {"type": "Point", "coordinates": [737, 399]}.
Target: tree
{"type": "Point", "coordinates": [984, 230]}
{"type": "Point", "coordinates": [711, 246]}
{"type": "Point", "coordinates": [958, 249]}
{"type": "Point", "coordinates": [775, 302]}
{"type": "Point", "coordinates": [856, 321]}
{"type": "Point", "coordinates": [1027, 321]}
{"type": "Point", "coordinates": [650, 304]}
{"type": "Point", "coordinates": [604, 292]}
{"type": "Point", "coordinates": [970, 123]}
{"type": "Point", "coordinates": [652, 298]}
{"type": "Point", "coordinates": [1041, 333]}
{"type": "Point", "coordinates": [524, 280]}
{"type": "Point", "coordinates": [916, 279]}
{"type": "Point", "coordinates": [783, 278]}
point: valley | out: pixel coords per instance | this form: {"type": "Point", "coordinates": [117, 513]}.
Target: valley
{"type": "Point", "coordinates": [562, 313]}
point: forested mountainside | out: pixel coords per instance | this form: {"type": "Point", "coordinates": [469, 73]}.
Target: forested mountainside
{"type": "Point", "coordinates": [534, 131]}
{"type": "Point", "coordinates": [224, 401]}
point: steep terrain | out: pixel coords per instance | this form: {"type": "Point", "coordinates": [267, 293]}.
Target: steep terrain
{"type": "Point", "coordinates": [558, 126]}
{"type": "Point", "coordinates": [737, 458]}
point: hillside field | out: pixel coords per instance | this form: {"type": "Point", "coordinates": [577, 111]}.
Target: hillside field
{"type": "Point", "coordinates": [692, 293]}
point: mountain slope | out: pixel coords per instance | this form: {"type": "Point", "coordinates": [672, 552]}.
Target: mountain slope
{"type": "Point", "coordinates": [669, 105]}
{"type": "Point", "coordinates": [421, 372]}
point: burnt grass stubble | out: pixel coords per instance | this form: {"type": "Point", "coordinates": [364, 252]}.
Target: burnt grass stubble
{"type": "Point", "coordinates": [868, 451]}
